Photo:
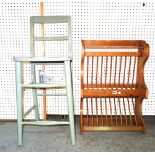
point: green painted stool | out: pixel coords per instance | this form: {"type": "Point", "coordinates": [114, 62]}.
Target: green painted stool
{"type": "Point", "coordinates": [33, 60]}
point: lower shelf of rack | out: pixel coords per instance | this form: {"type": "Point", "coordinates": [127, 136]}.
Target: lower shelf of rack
{"type": "Point", "coordinates": [131, 123]}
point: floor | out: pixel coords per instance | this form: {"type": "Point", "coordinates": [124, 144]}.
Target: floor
{"type": "Point", "coordinates": [57, 139]}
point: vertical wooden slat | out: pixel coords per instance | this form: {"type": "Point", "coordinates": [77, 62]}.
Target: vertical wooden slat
{"type": "Point", "coordinates": [120, 67]}
{"type": "Point", "coordinates": [115, 70]}
{"type": "Point", "coordinates": [134, 67]}
{"type": "Point", "coordinates": [115, 112]}
{"type": "Point", "coordinates": [124, 71]}
{"type": "Point", "coordinates": [110, 111]}
{"type": "Point", "coordinates": [87, 72]}
{"type": "Point", "coordinates": [120, 110]}
{"type": "Point", "coordinates": [110, 83]}
{"type": "Point", "coordinates": [92, 67]}
{"type": "Point", "coordinates": [101, 111]}
{"type": "Point", "coordinates": [102, 88]}
{"type": "Point", "coordinates": [96, 83]}
{"type": "Point", "coordinates": [110, 70]}
{"type": "Point", "coordinates": [134, 112]}
{"type": "Point", "coordinates": [106, 70]}
{"type": "Point", "coordinates": [87, 69]}
{"type": "Point", "coordinates": [129, 69]}
{"type": "Point", "coordinates": [125, 111]}
{"type": "Point", "coordinates": [101, 70]}
{"type": "Point", "coordinates": [97, 112]}
{"type": "Point", "coordinates": [96, 69]}
{"type": "Point", "coordinates": [87, 111]}
{"type": "Point", "coordinates": [129, 111]}
{"type": "Point", "coordinates": [92, 83]}
{"type": "Point", "coordinates": [92, 111]}
{"type": "Point", "coordinates": [106, 111]}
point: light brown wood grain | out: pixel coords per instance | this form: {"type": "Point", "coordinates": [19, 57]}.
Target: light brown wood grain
{"type": "Point", "coordinates": [126, 89]}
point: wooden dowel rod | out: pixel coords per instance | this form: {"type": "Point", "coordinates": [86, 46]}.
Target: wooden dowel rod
{"type": "Point", "coordinates": [87, 111]}
{"type": "Point", "coordinates": [101, 110]}
{"type": "Point", "coordinates": [134, 112]}
{"type": "Point", "coordinates": [115, 111]}
{"type": "Point", "coordinates": [120, 67]}
{"type": "Point", "coordinates": [101, 70]}
{"type": "Point", "coordinates": [134, 67]}
{"type": "Point", "coordinates": [97, 112]}
{"type": "Point", "coordinates": [92, 70]}
{"type": "Point", "coordinates": [129, 111]}
{"type": "Point", "coordinates": [110, 111]}
{"type": "Point", "coordinates": [106, 111]}
{"type": "Point", "coordinates": [120, 110]}
{"type": "Point", "coordinates": [124, 71]}
{"type": "Point", "coordinates": [42, 30]}
{"type": "Point", "coordinates": [124, 111]}
{"type": "Point", "coordinates": [43, 55]}
{"type": "Point", "coordinates": [96, 70]}
{"type": "Point", "coordinates": [96, 98]}
{"type": "Point", "coordinates": [87, 68]}
{"type": "Point", "coordinates": [91, 98]}
{"type": "Point", "coordinates": [115, 70]}
{"type": "Point", "coordinates": [129, 69]}
{"type": "Point", "coordinates": [106, 70]}
{"type": "Point", "coordinates": [92, 111]}
{"type": "Point", "coordinates": [110, 69]}
{"type": "Point", "coordinates": [101, 83]}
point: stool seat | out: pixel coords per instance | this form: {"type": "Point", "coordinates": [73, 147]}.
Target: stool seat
{"type": "Point", "coordinates": [42, 59]}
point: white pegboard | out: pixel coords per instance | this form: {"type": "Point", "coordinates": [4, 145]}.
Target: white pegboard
{"type": "Point", "coordinates": [106, 20]}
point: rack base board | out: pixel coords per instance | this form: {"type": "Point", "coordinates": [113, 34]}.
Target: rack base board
{"type": "Point", "coordinates": [113, 124]}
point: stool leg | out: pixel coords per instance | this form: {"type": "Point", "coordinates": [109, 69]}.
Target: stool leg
{"type": "Point", "coordinates": [19, 98]}
{"type": "Point", "coordinates": [70, 99]}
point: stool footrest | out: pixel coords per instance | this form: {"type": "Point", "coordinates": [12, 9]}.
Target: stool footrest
{"type": "Point", "coordinates": [45, 123]}
{"type": "Point", "coordinates": [63, 94]}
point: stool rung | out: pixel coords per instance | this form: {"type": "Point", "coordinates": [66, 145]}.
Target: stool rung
{"type": "Point", "coordinates": [51, 94]}
{"type": "Point", "coordinates": [45, 123]}
{"type": "Point", "coordinates": [51, 38]}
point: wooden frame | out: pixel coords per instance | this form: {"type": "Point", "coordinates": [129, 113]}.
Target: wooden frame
{"type": "Point", "coordinates": [112, 85]}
